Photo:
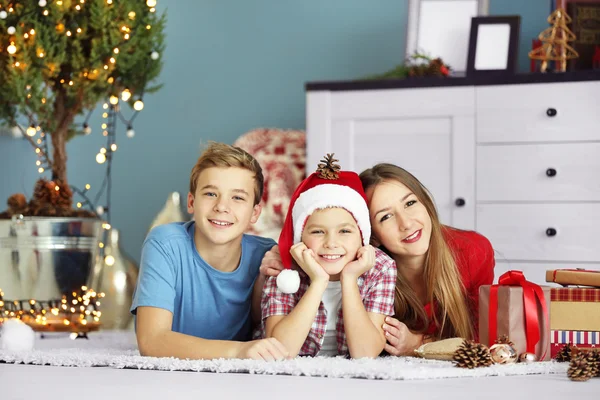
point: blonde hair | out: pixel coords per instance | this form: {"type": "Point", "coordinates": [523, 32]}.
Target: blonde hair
{"type": "Point", "coordinates": [222, 155]}
{"type": "Point", "coordinates": [443, 283]}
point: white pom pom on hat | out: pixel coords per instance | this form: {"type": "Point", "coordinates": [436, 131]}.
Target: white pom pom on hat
{"type": "Point", "coordinates": [16, 336]}
{"type": "Point", "coordinates": [341, 189]}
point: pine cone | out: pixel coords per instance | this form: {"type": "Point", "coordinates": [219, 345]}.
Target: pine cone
{"type": "Point", "coordinates": [565, 353]}
{"type": "Point", "coordinates": [580, 369]}
{"type": "Point", "coordinates": [328, 169]}
{"type": "Point", "coordinates": [17, 204]}
{"type": "Point", "coordinates": [64, 197]}
{"type": "Point", "coordinates": [503, 339]}
{"type": "Point", "coordinates": [472, 355]}
{"type": "Point", "coordinates": [593, 359]}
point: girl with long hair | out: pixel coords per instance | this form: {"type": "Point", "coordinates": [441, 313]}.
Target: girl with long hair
{"type": "Point", "coordinates": [440, 269]}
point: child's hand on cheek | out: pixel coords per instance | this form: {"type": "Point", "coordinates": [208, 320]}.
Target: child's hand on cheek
{"type": "Point", "coordinates": [306, 259]}
{"type": "Point", "coordinates": [365, 260]}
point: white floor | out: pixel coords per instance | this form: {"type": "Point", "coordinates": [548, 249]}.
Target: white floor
{"type": "Point", "coordinates": [43, 382]}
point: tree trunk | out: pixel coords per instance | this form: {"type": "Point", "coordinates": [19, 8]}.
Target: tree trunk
{"type": "Point", "coordinates": [64, 118]}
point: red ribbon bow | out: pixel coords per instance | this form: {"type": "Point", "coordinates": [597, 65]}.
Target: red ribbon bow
{"type": "Point", "coordinates": [531, 292]}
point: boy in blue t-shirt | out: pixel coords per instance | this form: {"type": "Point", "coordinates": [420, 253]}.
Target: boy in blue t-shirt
{"type": "Point", "coordinates": [199, 280]}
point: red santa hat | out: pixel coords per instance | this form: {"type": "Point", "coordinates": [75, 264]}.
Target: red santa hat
{"type": "Point", "coordinates": [328, 187]}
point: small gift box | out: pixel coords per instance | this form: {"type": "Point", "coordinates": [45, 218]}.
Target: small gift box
{"type": "Point", "coordinates": [584, 340]}
{"type": "Point", "coordinates": [575, 277]}
{"type": "Point", "coordinates": [519, 309]}
{"type": "Point", "coordinates": [575, 309]}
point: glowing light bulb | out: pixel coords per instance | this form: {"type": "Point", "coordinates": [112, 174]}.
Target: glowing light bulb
{"type": "Point", "coordinates": [109, 260]}
{"type": "Point", "coordinates": [114, 100]}
{"type": "Point", "coordinates": [42, 3]}
{"type": "Point", "coordinates": [100, 158]}
{"type": "Point", "coordinates": [151, 3]}
{"type": "Point", "coordinates": [125, 95]}
{"type": "Point", "coordinates": [12, 49]}
{"type": "Point", "coordinates": [11, 30]}
{"type": "Point", "coordinates": [31, 131]}
{"type": "Point", "coordinates": [154, 55]}
{"type": "Point", "coordinates": [88, 186]}
{"type": "Point", "coordinates": [113, 147]}
{"type": "Point", "coordinates": [130, 132]}
{"type": "Point", "coordinates": [40, 170]}
{"type": "Point", "coordinates": [138, 105]}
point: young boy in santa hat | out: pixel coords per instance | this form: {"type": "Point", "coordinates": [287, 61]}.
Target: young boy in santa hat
{"type": "Point", "coordinates": [336, 300]}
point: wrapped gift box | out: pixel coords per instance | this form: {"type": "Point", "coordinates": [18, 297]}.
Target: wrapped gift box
{"type": "Point", "coordinates": [575, 309]}
{"type": "Point", "coordinates": [585, 340]}
{"type": "Point", "coordinates": [510, 316]}
{"type": "Point", "coordinates": [574, 277]}
{"type": "Point", "coordinates": [556, 347]}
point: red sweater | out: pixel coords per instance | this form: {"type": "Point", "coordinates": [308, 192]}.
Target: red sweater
{"type": "Point", "coordinates": [474, 257]}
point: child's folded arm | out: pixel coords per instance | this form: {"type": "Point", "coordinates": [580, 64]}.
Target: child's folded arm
{"type": "Point", "coordinates": [364, 332]}
{"type": "Point", "coordinates": [363, 319]}
{"type": "Point", "coordinates": [156, 339]}
{"type": "Point", "coordinates": [293, 329]}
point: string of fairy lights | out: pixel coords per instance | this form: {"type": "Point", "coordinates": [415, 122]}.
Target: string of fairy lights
{"type": "Point", "coordinates": [78, 311]}
{"type": "Point", "coordinates": [111, 108]}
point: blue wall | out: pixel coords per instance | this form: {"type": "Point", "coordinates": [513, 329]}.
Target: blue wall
{"type": "Point", "coordinates": [231, 66]}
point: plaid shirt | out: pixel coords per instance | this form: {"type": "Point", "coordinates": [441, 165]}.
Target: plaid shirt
{"type": "Point", "coordinates": [376, 288]}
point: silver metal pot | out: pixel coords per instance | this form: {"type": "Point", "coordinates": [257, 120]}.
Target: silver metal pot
{"type": "Point", "coordinates": [44, 257]}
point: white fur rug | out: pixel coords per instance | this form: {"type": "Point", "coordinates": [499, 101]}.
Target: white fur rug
{"type": "Point", "coordinates": [118, 350]}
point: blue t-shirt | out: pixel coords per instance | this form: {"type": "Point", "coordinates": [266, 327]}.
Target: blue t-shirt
{"type": "Point", "coordinates": [205, 302]}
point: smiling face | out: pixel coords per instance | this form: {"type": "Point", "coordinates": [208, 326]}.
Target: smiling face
{"type": "Point", "coordinates": [333, 235]}
{"type": "Point", "coordinates": [399, 221]}
{"type": "Point", "coordinates": [223, 206]}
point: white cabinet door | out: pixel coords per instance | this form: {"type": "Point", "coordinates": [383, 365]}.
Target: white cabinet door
{"type": "Point", "coordinates": [438, 149]}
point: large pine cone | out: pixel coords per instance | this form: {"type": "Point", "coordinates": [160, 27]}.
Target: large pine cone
{"type": "Point", "coordinates": [580, 369]}
{"type": "Point", "coordinates": [593, 359]}
{"type": "Point", "coordinates": [47, 201]}
{"type": "Point", "coordinates": [472, 355]}
{"type": "Point", "coordinates": [564, 354]}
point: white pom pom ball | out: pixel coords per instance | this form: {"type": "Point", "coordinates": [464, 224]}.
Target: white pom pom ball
{"type": "Point", "coordinates": [288, 281]}
{"type": "Point", "coordinates": [16, 336]}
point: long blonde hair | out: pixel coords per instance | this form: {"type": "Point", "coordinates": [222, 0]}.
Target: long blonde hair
{"type": "Point", "coordinates": [445, 289]}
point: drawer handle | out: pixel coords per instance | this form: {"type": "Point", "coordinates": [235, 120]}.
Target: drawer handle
{"type": "Point", "coordinates": [460, 202]}
{"type": "Point", "coordinates": [550, 232]}
{"type": "Point", "coordinates": [550, 172]}
{"type": "Point", "coordinates": [551, 112]}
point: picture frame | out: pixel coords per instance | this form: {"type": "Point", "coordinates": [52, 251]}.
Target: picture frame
{"type": "Point", "coordinates": [440, 28]}
{"type": "Point", "coordinates": [493, 45]}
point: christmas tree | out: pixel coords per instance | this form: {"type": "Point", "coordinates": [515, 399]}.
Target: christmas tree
{"type": "Point", "coordinates": [555, 39]}
{"type": "Point", "coordinates": [58, 59]}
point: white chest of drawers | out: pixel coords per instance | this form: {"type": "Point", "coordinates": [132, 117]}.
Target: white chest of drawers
{"type": "Point", "coordinates": [517, 160]}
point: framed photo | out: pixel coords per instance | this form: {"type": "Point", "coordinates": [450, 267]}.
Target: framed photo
{"type": "Point", "coordinates": [440, 28]}
{"type": "Point", "coordinates": [493, 45]}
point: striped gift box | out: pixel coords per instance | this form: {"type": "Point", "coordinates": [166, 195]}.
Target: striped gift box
{"type": "Point", "coordinates": [588, 295]}
{"type": "Point", "coordinates": [575, 337]}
